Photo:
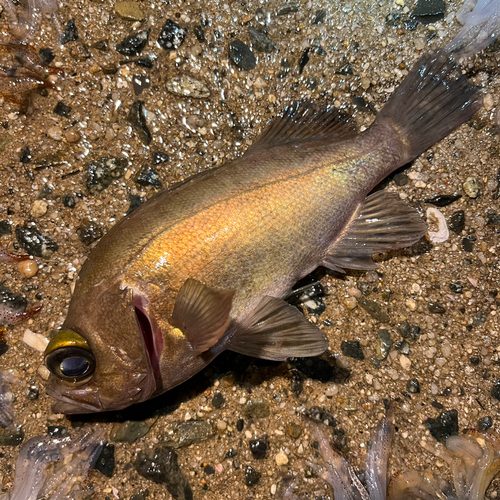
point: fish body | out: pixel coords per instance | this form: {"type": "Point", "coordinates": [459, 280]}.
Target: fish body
{"type": "Point", "coordinates": [202, 267]}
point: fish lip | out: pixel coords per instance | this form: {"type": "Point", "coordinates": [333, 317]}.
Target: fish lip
{"type": "Point", "coordinates": [71, 406]}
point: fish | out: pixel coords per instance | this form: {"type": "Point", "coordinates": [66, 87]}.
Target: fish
{"type": "Point", "coordinates": [203, 266]}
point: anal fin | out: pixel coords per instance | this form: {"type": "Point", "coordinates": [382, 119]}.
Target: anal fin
{"type": "Point", "coordinates": [277, 331]}
{"type": "Point", "coordinates": [202, 314]}
{"type": "Point", "coordinates": [384, 222]}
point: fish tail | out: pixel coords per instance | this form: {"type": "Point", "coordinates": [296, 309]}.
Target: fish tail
{"type": "Point", "coordinates": [432, 101]}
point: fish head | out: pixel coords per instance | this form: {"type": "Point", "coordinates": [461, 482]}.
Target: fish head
{"type": "Point", "coordinates": [99, 360]}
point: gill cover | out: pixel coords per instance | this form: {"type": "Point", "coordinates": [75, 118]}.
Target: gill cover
{"type": "Point", "coordinates": [69, 357]}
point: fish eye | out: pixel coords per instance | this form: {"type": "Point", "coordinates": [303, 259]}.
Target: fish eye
{"type": "Point", "coordinates": [69, 358]}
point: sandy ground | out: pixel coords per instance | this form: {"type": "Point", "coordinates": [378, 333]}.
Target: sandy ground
{"type": "Point", "coordinates": [220, 128]}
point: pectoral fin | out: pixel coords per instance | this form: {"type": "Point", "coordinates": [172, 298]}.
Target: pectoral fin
{"type": "Point", "coordinates": [277, 331]}
{"type": "Point", "coordinates": [202, 314]}
{"type": "Point", "coordinates": [384, 222]}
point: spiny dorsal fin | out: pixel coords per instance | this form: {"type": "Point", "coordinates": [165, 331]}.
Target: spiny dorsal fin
{"type": "Point", "coordinates": [304, 121]}
{"type": "Point", "coordinates": [202, 314]}
{"type": "Point", "coordinates": [384, 222]}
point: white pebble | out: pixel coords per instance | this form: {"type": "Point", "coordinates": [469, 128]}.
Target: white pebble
{"type": "Point", "coordinates": [442, 233]}
{"type": "Point", "coordinates": [405, 362]}
{"type": "Point", "coordinates": [43, 371]}
{"type": "Point", "coordinates": [35, 340]}
{"type": "Point", "coordinates": [39, 208]}
{"type": "Point", "coordinates": [281, 458]}
{"type": "Point", "coordinates": [411, 304]}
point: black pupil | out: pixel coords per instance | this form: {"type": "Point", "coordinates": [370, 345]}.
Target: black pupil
{"type": "Point", "coordinates": [74, 366]}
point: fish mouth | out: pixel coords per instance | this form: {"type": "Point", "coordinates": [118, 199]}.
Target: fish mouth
{"type": "Point", "coordinates": [85, 402]}
{"type": "Point", "coordinates": [151, 335]}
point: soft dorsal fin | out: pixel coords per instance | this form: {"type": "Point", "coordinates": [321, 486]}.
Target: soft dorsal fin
{"type": "Point", "coordinates": [384, 222]}
{"type": "Point", "coordinates": [303, 121]}
{"type": "Point", "coordinates": [202, 314]}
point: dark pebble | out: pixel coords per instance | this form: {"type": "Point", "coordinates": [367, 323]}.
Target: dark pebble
{"type": "Point", "coordinates": [365, 288]}
{"type": "Point", "coordinates": [311, 83]}
{"type": "Point", "coordinates": [484, 423]}
{"type": "Point", "coordinates": [319, 414]}
{"type": "Point", "coordinates": [46, 191]}
{"type": "Point", "coordinates": [436, 308]}
{"type": "Point", "coordinates": [135, 202]}
{"type": "Point", "coordinates": [352, 349]}
{"type": "Point", "coordinates": [413, 386]}
{"type": "Point", "coordinates": [70, 32]}
{"type": "Point", "coordinates": [32, 392]}
{"type": "Point", "coordinates": [319, 17]}
{"type": "Point", "coordinates": [62, 110]}
{"type": "Point", "coordinates": [102, 172]}
{"type": "Point", "coordinates": [384, 344]}
{"type": "Point", "coordinates": [240, 424]}
{"type": "Point", "coordinates": [258, 448]}
{"type": "Point", "coordinates": [252, 477]}
{"type": "Point", "coordinates": [140, 83]}
{"type": "Point", "coordinates": [480, 318]}
{"type": "Point", "coordinates": [411, 23]}
{"type": "Point", "coordinates": [437, 404]}
{"type": "Point", "coordinates": [69, 201]}
{"type": "Point", "coordinates": [404, 329]}
{"type": "Point", "coordinates": [145, 62]}
{"type": "Point", "coordinates": [297, 383]}
{"type": "Point", "coordinates": [415, 332]}
{"type": "Point", "coordinates": [493, 218]}
{"type": "Point", "coordinates": [442, 201]}
{"type": "Point", "coordinates": [137, 117]}
{"type": "Point", "coordinates": [241, 55]}
{"type": "Point", "coordinates": [495, 390]}
{"type": "Point", "coordinates": [12, 300]}
{"type": "Point", "coordinates": [25, 156]}
{"type": "Point", "coordinates": [106, 461]}
{"type": "Point", "coordinates": [374, 310]}
{"type": "Point", "coordinates": [457, 222]}
{"type": "Point", "coordinates": [134, 44]}
{"type": "Point", "coordinates": [3, 348]}
{"type": "Point", "coordinates": [160, 157]}
{"type": "Point", "coordinates": [304, 59]}
{"type": "Point", "coordinates": [444, 426]}
{"type": "Point", "coordinates": [142, 495]}
{"type": "Point", "coordinates": [46, 55]}
{"type": "Point", "coordinates": [260, 41]}
{"type": "Point", "coordinates": [218, 400]}
{"type": "Point", "coordinates": [401, 179]}
{"type": "Point", "coordinates": [88, 232]}
{"type": "Point", "coordinates": [209, 470]}
{"type": "Point", "coordinates": [345, 69]}
{"type": "Point", "coordinates": [172, 36]}
{"type": "Point", "coordinates": [456, 287]}
{"type": "Point", "coordinates": [404, 347]}
{"type": "Point", "coordinates": [35, 243]}
{"type": "Point", "coordinates": [199, 33]}
{"type": "Point", "coordinates": [467, 245]}
{"type": "Point", "coordinates": [429, 11]}
{"type": "Point", "coordinates": [148, 177]}
{"type": "Point", "coordinates": [231, 453]}
{"type": "Point", "coordinates": [5, 227]}
{"type": "Point", "coordinates": [474, 361]}
{"type": "Point", "coordinates": [11, 438]}
{"type": "Point", "coordinates": [101, 45]}
{"type": "Point", "coordinates": [315, 368]}
{"type": "Point", "coordinates": [161, 467]}
{"type": "Point", "coordinates": [57, 431]}
{"type": "Point", "coordinates": [287, 8]}
{"type": "Point", "coordinates": [393, 19]}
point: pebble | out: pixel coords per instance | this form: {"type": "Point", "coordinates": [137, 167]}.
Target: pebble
{"type": "Point", "coordinates": [62, 109]}
{"type": "Point", "coordinates": [88, 232]}
{"type": "Point", "coordinates": [260, 41]}
{"type": "Point", "coordinates": [106, 461]}
{"type": "Point", "coordinates": [241, 55]}
{"type": "Point", "coordinates": [218, 400]}
{"type": "Point", "coordinates": [405, 362]}
{"type": "Point", "coordinates": [130, 11]}
{"type": "Point", "coordinates": [484, 423]}
{"type": "Point", "coordinates": [57, 431]}
{"type": "Point", "coordinates": [159, 157]}
{"type": "Point", "coordinates": [413, 386]}
{"type": "Point", "coordinates": [471, 187]}
{"type": "Point", "coordinates": [44, 372]}
{"type": "Point", "coordinates": [495, 390]}
{"type": "Point", "coordinates": [35, 340]}
{"type": "Point", "coordinates": [55, 133]}
{"type": "Point", "coordinates": [384, 344]}
{"type": "Point", "coordinates": [457, 221]}
{"type": "Point", "coordinates": [161, 466]}
{"type": "Point", "coordinates": [411, 304]}
{"type": "Point", "coordinates": [5, 228]}
{"type": "Point", "coordinates": [171, 36]}
{"type": "Point", "coordinates": [436, 308]}
{"type": "Point", "coordinates": [252, 477]}
{"type": "Point", "coordinates": [46, 55]}
{"type": "Point", "coordinates": [11, 437]}
{"type": "Point", "coordinates": [69, 201]}
{"type": "Point", "coordinates": [443, 200]}
{"type": "Point", "coordinates": [320, 415]}
{"type": "Point", "coordinates": [442, 233]}
{"type": "Point", "coordinates": [102, 172]}
{"type": "Point", "coordinates": [365, 85]}
{"type": "Point", "coordinates": [429, 11]}
{"type": "Point", "coordinates": [221, 425]}
{"type": "Point", "coordinates": [72, 135]}
{"type": "Point", "coordinates": [182, 434]}
{"type": "Point", "coordinates": [350, 302]}
{"type": "Point", "coordinates": [134, 44]}
{"type": "Point", "coordinates": [444, 426]}
{"type": "Point", "coordinates": [287, 8]}
{"type": "Point", "coordinates": [258, 448]}
{"type": "Point", "coordinates": [137, 117]}
{"type": "Point", "coordinates": [25, 156]}
{"type": "Point", "coordinates": [35, 243]}
{"type": "Point", "coordinates": [39, 208]}
{"type": "Point", "coordinates": [128, 431]}
{"type": "Point", "coordinates": [374, 310]}
{"type": "Point", "coordinates": [187, 86]}
{"type": "Point", "coordinates": [293, 430]}
{"type": "Point", "coordinates": [256, 409]}
{"type": "Point", "coordinates": [148, 177]}
{"type": "Point", "coordinates": [70, 32]}
{"type": "Point", "coordinates": [315, 368]}
{"type": "Point", "coordinates": [281, 458]}
{"type": "Point", "coordinates": [352, 349]}
{"type": "Point", "coordinates": [27, 268]}
{"type": "Point", "coordinates": [403, 347]}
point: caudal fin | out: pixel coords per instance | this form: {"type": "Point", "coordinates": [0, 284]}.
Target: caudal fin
{"type": "Point", "coordinates": [432, 101]}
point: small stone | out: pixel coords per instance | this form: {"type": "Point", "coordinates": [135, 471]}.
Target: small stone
{"type": "Point", "coordinates": [281, 458]}
{"type": "Point", "coordinates": [260, 41]}
{"type": "Point", "coordinates": [352, 349]}
{"type": "Point", "coordinates": [411, 304]}
{"type": "Point", "coordinates": [436, 308]}
{"type": "Point", "coordinates": [145, 62]}
{"type": "Point", "coordinates": [46, 55]}
{"type": "Point", "coordinates": [413, 386]}
{"type": "Point", "coordinates": [39, 208]}
{"type": "Point", "coordinates": [474, 360]}
{"type": "Point", "coordinates": [140, 83]}
{"type": "Point", "coordinates": [365, 85]}
{"type": "Point", "coordinates": [221, 425]}
{"type": "Point", "coordinates": [46, 191]}
{"type": "Point", "coordinates": [88, 232]}
{"type": "Point", "coordinates": [106, 461]}
{"type": "Point", "coordinates": [25, 156]}
{"type": "Point", "coordinates": [72, 135]}
{"type": "Point", "coordinates": [160, 157]}
{"type": "Point", "coordinates": [218, 400]}
{"type": "Point", "coordinates": [241, 55]}
{"type": "Point", "coordinates": [57, 431]}
{"type": "Point", "coordinates": [137, 117]}
{"type": "Point", "coordinates": [320, 415]}
{"type": "Point", "coordinates": [471, 187]}
{"type": "Point", "coordinates": [319, 17]}
{"type": "Point", "coordinates": [495, 390]}
{"type": "Point", "coordinates": [315, 368]}
{"type": "Point", "coordinates": [287, 8]}
{"type": "Point", "coordinates": [55, 133]}
{"type": "Point", "coordinates": [135, 202]}
{"type": "Point", "coordinates": [374, 310]}
{"type": "Point", "coordinates": [404, 347]}
{"type": "Point", "coordinates": [70, 32]}
{"type": "Point", "coordinates": [148, 177]}
{"type": "Point", "coordinates": [5, 228]}
{"type": "Point", "coordinates": [405, 362]}
{"type": "Point", "coordinates": [102, 172]}
{"type": "Point", "coordinates": [35, 243]}
{"type": "Point", "coordinates": [404, 329]}
{"type": "Point", "coordinates": [161, 466]}
{"type": "Point", "coordinates": [128, 431]}
{"type": "Point", "coordinates": [69, 201]}
{"type": "Point", "coordinates": [199, 33]}
{"type": "Point", "coordinates": [11, 437]}
{"type": "Point", "coordinates": [134, 44]}
{"type": "Point", "coordinates": [240, 424]}
{"type": "Point", "coordinates": [256, 409]}
{"type": "Point", "coordinates": [429, 11]}
{"type": "Point", "coordinates": [35, 340]}
{"type": "Point", "coordinates": [78, 51]}
{"type": "Point", "coordinates": [3, 348]}
{"type": "Point", "coordinates": [442, 200]}
{"type": "Point", "coordinates": [172, 36]}
{"type": "Point", "coordinates": [480, 318]}
{"type": "Point", "coordinates": [457, 221]}
{"type": "Point", "coordinates": [293, 430]}
{"type": "Point", "coordinates": [258, 448]}
{"type": "Point", "coordinates": [384, 344]}
{"type": "Point", "coordinates": [441, 234]}
{"type": "Point", "coordinates": [182, 434]}
{"type": "Point", "coordinates": [493, 218]}
{"type": "Point", "coordinates": [101, 45]}
{"type": "Point", "coordinates": [27, 268]}
{"type": "Point", "coordinates": [187, 86]}
{"type": "Point", "coordinates": [484, 423]}
{"type": "Point", "coordinates": [32, 393]}
{"type": "Point", "coordinates": [130, 11]}
{"type": "Point", "coordinates": [252, 477]}
{"type": "Point", "coordinates": [444, 426]}
{"type": "Point", "coordinates": [456, 287]}
{"type": "Point", "coordinates": [350, 302]}
{"type": "Point", "coordinates": [62, 110]}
